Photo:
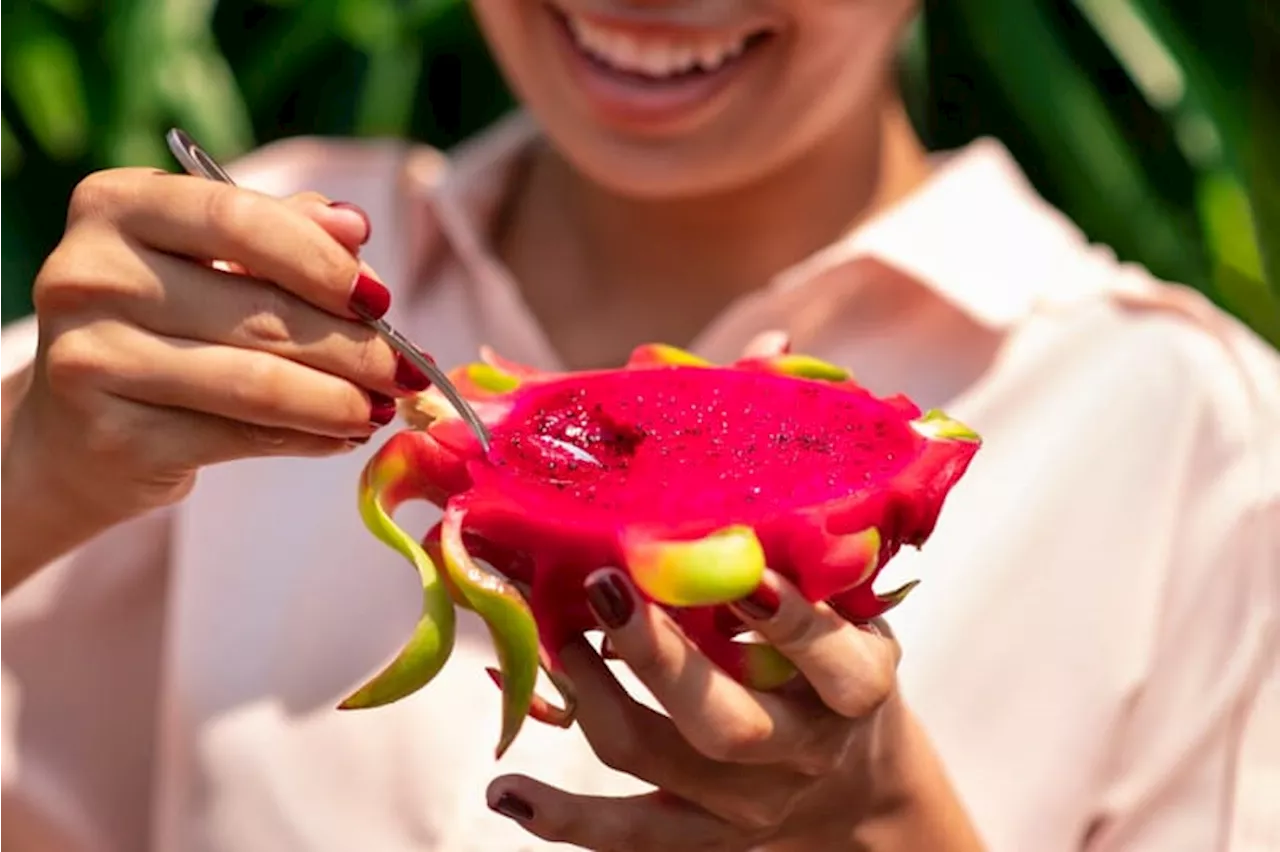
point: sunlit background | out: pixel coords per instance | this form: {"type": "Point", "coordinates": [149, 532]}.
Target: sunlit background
{"type": "Point", "coordinates": [1147, 121]}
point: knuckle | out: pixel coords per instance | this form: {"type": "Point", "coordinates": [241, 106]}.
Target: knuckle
{"type": "Point", "coordinates": [59, 286]}
{"type": "Point", "coordinates": [76, 358]}
{"type": "Point", "coordinates": [646, 660]}
{"type": "Point", "coordinates": [333, 266]}
{"type": "Point", "coordinates": [233, 212]}
{"type": "Point", "coordinates": [360, 410]}
{"type": "Point", "coordinates": [372, 360]}
{"type": "Point", "coordinates": [795, 628]}
{"type": "Point", "coordinates": [98, 193]}
{"type": "Point", "coordinates": [261, 439]}
{"type": "Point", "coordinates": [240, 217]}
{"type": "Point", "coordinates": [866, 689]}
{"type": "Point", "coordinates": [259, 386]}
{"type": "Point", "coordinates": [70, 281]}
{"type": "Point", "coordinates": [267, 319]}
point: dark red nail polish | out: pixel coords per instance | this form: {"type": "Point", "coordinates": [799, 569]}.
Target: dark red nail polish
{"type": "Point", "coordinates": [762, 604]}
{"type": "Point", "coordinates": [610, 599]}
{"type": "Point", "coordinates": [368, 226]}
{"type": "Point", "coordinates": [369, 299]}
{"type": "Point", "coordinates": [409, 377]}
{"type": "Point", "coordinates": [382, 408]}
{"type": "Point", "coordinates": [511, 805]}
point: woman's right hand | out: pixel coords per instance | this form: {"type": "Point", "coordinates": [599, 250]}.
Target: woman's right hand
{"type": "Point", "coordinates": [154, 361]}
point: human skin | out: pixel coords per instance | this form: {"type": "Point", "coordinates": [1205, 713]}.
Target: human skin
{"type": "Point", "coordinates": [635, 207]}
{"type": "Point", "coordinates": [616, 221]}
{"type": "Point", "coordinates": [153, 364]}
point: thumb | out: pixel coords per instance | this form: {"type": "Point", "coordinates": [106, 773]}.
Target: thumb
{"type": "Point", "coordinates": [345, 222]}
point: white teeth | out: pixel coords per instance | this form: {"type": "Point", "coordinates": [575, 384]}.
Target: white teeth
{"type": "Point", "coordinates": [653, 57]}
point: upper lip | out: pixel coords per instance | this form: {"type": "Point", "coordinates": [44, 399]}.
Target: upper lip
{"type": "Point", "coordinates": [674, 19]}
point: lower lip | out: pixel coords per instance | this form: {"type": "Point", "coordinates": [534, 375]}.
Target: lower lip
{"type": "Point", "coordinates": [641, 103]}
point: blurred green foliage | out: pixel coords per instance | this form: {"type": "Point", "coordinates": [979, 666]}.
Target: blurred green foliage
{"type": "Point", "coordinates": [1146, 121]}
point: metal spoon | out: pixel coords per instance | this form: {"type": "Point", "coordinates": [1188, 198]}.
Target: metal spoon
{"type": "Point", "coordinates": [197, 162]}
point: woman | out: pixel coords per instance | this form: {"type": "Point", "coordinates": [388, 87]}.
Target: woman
{"type": "Point", "coordinates": [1089, 663]}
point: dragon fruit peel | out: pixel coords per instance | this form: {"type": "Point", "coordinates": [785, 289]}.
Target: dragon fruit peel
{"type": "Point", "coordinates": [690, 476]}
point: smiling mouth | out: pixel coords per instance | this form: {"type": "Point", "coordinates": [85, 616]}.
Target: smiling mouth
{"type": "Point", "coordinates": [657, 58]}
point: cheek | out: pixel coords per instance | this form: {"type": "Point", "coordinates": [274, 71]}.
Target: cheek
{"type": "Point", "coordinates": [838, 67]}
{"type": "Point", "coordinates": [849, 42]}
{"type": "Point", "coordinates": [505, 25]}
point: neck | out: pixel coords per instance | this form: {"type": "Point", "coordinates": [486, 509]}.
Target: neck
{"type": "Point", "coordinates": [587, 257]}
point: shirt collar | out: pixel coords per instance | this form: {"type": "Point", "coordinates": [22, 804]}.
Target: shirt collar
{"type": "Point", "coordinates": [976, 234]}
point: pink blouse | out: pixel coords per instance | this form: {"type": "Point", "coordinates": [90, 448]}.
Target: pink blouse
{"type": "Point", "coordinates": [1093, 649]}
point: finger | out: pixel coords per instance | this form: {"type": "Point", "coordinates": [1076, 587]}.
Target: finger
{"type": "Point", "coordinates": [236, 384]}
{"type": "Point", "coordinates": [633, 824]}
{"type": "Point", "coordinates": [205, 220]}
{"type": "Point", "coordinates": [159, 451]}
{"type": "Point", "coordinates": [631, 738]}
{"type": "Point", "coordinates": [180, 441]}
{"type": "Point", "coordinates": [181, 299]}
{"type": "Point", "coordinates": [719, 717]}
{"type": "Point", "coordinates": [345, 222]}
{"type": "Point", "coordinates": [853, 670]}
{"type": "Point", "coordinates": [768, 344]}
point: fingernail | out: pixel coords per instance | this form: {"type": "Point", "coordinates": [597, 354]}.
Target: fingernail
{"type": "Point", "coordinates": [409, 377]}
{"type": "Point", "coordinates": [368, 298]}
{"type": "Point", "coordinates": [610, 599]}
{"type": "Point", "coordinates": [511, 805]}
{"type": "Point", "coordinates": [868, 627]}
{"type": "Point", "coordinates": [762, 604]}
{"type": "Point", "coordinates": [364, 217]}
{"type": "Point", "coordinates": [382, 408]}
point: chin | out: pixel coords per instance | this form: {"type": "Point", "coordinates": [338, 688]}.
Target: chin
{"type": "Point", "coordinates": [659, 172]}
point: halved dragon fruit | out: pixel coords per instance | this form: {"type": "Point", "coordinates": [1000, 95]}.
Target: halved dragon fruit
{"type": "Point", "coordinates": [690, 476]}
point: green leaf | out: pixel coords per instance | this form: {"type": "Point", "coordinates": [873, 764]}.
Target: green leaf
{"type": "Point", "coordinates": [1263, 179]}
{"type": "Point", "coordinates": [1214, 78]}
{"type": "Point", "coordinates": [1055, 111]}
{"type": "Point", "coordinates": [285, 46]}
{"type": "Point", "coordinates": [10, 150]}
{"type": "Point", "coordinates": [42, 75]}
{"type": "Point", "coordinates": [1239, 276]}
{"type": "Point", "coordinates": [1153, 124]}
{"type": "Point", "coordinates": [198, 86]}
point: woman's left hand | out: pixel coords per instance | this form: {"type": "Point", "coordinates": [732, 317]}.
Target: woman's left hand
{"type": "Point", "coordinates": [735, 769]}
